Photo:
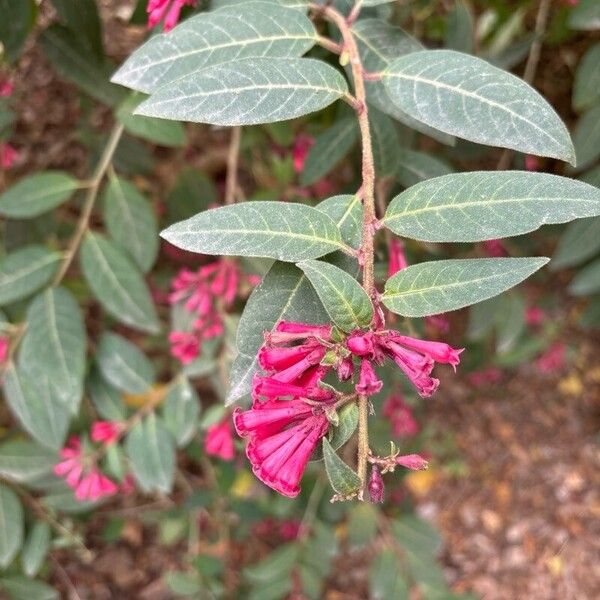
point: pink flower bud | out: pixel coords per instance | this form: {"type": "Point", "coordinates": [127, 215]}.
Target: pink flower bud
{"type": "Point", "coordinates": [345, 369]}
{"type": "Point", "coordinates": [376, 485]}
{"type": "Point", "coordinates": [360, 344]}
{"type": "Point", "coordinates": [414, 462]}
{"type": "Point", "coordinates": [107, 432]}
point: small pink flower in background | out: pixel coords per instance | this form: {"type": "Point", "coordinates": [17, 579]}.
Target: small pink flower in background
{"type": "Point", "coordinates": [4, 345]}
{"type": "Point", "coordinates": [400, 415]}
{"type": "Point", "coordinates": [300, 150]}
{"type": "Point", "coordinates": [494, 248]}
{"type": "Point", "coordinates": [487, 376]}
{"type": "Point", "coordinates": [8, 156]}
{"type": "Point", "coordinates": [169, 10]}
{"type": "Point", "coordinates": [128, 484]}
{"type": "Point", "coordinates": [323, 188]}
{"type": "Point", "coordinates": [553, 359]}
{"type": "Point", "coordinates": [376, 486]}
{"type": "Point", "coordinates": [6, 88]}
{"type": "Point", "coordinates": [219, 440]}
{"type": "Point", "coordinates": [397, 258]}
{"type": "Point", "coordinates": [185, 346]}
{"type": "Point", "coordinates": [534, 316]}
{"type": "Point", "coordinates": [106, 432]}
{"type": "Point", "coordinates": [439, 323]}
{"type": "Point", "coordinates": [532, 163]}
{"type": "Point", "coordinates": [291, 529]}
{"type": "Point", "coordinates": [414, 462]}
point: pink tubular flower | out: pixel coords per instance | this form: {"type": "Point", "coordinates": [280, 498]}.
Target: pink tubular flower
{"type": "Point", "coordinates": [414, 462]}
{"type": "Point", "coordinates": [269, 387]}
{"type": "Point", "coordinates": [157, 9]}
{"type": "Point", "coordinates": [95, 486]}
{"type": "Point", "coordinates": [106, 432]}
{"type": "Point", "coordinates": [438, 351]}
{"type": "Point", "coordinates": [302, 145]}
{"type": "Point", "coordinates": [397, 259]}
{"type": "Point", "coordinates": [376, 486]}
{"type": "Point", "coordinates": [219, 441]}
{"type": "Point", "coordinates": [368, 382]}
{"type": "Point", "coordinates": [8, 156]}
{"type": "Point", "coordinates": [532, 163]}
{"type": "Point", "coordinates": [184, 346]}
{"type": "Point", "coordinates": [4, 345]}
{"type": "Point", "coordinates": [400, 415]}
{"type": "Point", "coordinates": [552, 359]}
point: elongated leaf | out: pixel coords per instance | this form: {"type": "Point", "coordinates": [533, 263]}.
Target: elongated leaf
{"type": "Point", "coordinates": [585, 16]}
{"type": "Point", "coordinates": [37, 194]}
{"type": "Point", "coordinates": [385, 142]}
{"type": "Point", "coordinates": [123, 365]}
{"type": "Point", "coordinates": [285, 231]}
{"type": "Point", "coordinates": [416, 536]}
{"type": "Point", "coordinates": [341, 477]}
{"type": "Point", "coordinates": [436, 287]}
{"type": "Point", "coordinates": [459, 29]}
{"type": "Point", "coordinates": [340, 434]}
{"type": "Point", "coordinates": [580, 241]}
{"type": "Point", "coordinates": [345, 301]}
{"type": "Point", "coordinates": [17, 17]}
{"type": "Point", "coordinates": [181, 410]}
{"type": "Point", "coordinates": [329, 149]}
{"type": "Point", "coordinates": [158, 131]}
{"type": "Point", "coordinates": [24, 461]}
{"type": "Point", "coordinates": [346, 211]}
{"type": "Point", "coordinates": [586, 138]}
{"type": "Point", "coordinates": [151, 450]}
{"type": "Point", "coordinates": [385, 579]}
{"type": "Point", "coordinates": [11, 525]}
{"type": "Point", "coordinates": [53, 348]}
{"type": "Point", "coordinates": [256, 29]}
{"type": "Point", "coordinates": [107, 400]}
{"type": "Point", "coordinates": [471, 207]}
{"type": "Point", "coordinates": [414, 167]}
{"type": "Point", "coordinates": [192, 193]}
{"type": "Point", "coordinates": [83, 20]}
{"type": "Point", "coordinates": [586, 89]}
{"type": "Point", "coordinates": [35, 548]}
{"type": "Point", "coordinates": [21, 588]}
{"type": "Point", "coordinates": [131, 222]}
{"type": "Point", "coordinates": [467, 97]}
{"type": "Point", "coordinates": [587, 281]}
{"type": "Point", "coordinates": [117, 283]}
{"type": "Point", "coordinates": [25, 271]}
{"type": "Point", "coordinates": [380, 43]}
{"type": "Point", "coordinates": [44, 418]}
{"type": "Point", "coordinates": [248, 92]}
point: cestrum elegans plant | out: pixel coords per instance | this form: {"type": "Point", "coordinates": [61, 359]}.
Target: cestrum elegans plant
{"type": "Point", "coordinates": [313, 337]}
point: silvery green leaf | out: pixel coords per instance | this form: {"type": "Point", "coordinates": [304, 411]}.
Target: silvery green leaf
{"type": "Point", "coordinates": [123, 365]}
{"type": "Point", "coordinates": [380, 43]}
{"type": "Point", "coordinates": [117, 283]}
{"type": "Point", "coordinates": [586, 138]}
{"type": "Point", "coordinates": [385, 142]}
{"type": "Point", "coordinates": [342, 432]}
{"type": "Point", "coordinates": [284, 231]}
{"type": "Point", "coordinates": [586, 89]}
{"type": "Point", "coordinates": [341, 477]}
{"type": "Point", "coordinates": [465, 96]}
{"type": "Point", "coordinates": [131, 222]}
{"type": "Point", "coordinates": [37, 194]}
{"type": "Point", "coordinates": [486, 205]}
{"type": "Point", "coordinates": [249, 91]}
{"type": "Point", "coordinates": [54, 345]}
{"type": "Point", "coordinates": [22, 588]}
{"type": "Point", "coordinates": [385, 579]}
{"type": "Point", "coordinates": [435, 287]}
{"type": "Point", "coordinates": [180, 411]}
{"type": "Point", "coordinates": [107, 400]}
{"type": "Point", "coordinates": [45, 419]}
{"type": "Point", "coordinates": [346, 211]}
{"type": "Point", "coordinates": [23, 461]}
{"type": "Point", "coordinates": [25, 271]}
{"type": "Point", "coordinates": [580, 241]}
{"type": "Point", "coordinates": [151, 450]}
{"type": "Point", "coordinates": [11, 525]}
{"type": "Point", "coordinates": [585, 16]}
{"type": "Point", "coordinates": [414, 166]}
{"type": "Point", "coordinates": [35, 548]}
{"type": "Point", "coordinates": [587, 281]}
{"type": "Point", "coordinates": [592, 176]}
{"type": "Point", "coordinates": [256, 29]}
{"type": "Point", "coordinates": [330, 147]}
{"type": "Point", "coordinates": [347, 304]}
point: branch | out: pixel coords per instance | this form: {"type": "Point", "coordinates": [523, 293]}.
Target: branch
{"type": "Point", "coordinates": [233, 156]}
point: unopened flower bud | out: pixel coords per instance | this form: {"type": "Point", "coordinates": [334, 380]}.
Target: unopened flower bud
{"type": "Point", "coordinates": [414, 462]}
{"type": "Point", "coordinates": [376, 486]}
{"type": "Point", "coordinates": [345, 369]}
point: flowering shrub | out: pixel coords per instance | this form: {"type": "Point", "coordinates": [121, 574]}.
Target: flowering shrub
{"type": "Point", "coordinates": [122, 357]}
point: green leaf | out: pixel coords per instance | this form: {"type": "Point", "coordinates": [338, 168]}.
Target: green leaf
{"type": "Point", "coordinates": [131, 222]}
{"type": "Point", "coordinates": [180, 411]}
{"type": "Point", "coordinates": [385, 578]}
{"type": "Point", "coordinates": [279, 563]}
{"type": "Point", "coordinates": [586, 89]}
{"type": "Point", "coordinates": [37, 194]}
{"type": "Point", "coordinates": [256, 29]}
{"type": "Point", "coordinates": [158, 131]}
{"type": "Point", "coordinates": [379, 44]}
{"type": "Point", "coordinates": [25, 271]}
{"type": "Point", "coordinates": [586, 138]}
{"type": "Point", "coordinates": [151, 450]}
{"type": "Point", "coordinates": [54, 345]}
{"type": "Point", "coordinates": [471, 207]}
{"type": "Point", "coordinates": [510, 321]}
{"type": "Point", "coordinates": [284, 294]}
{"type": "Point", "coordinates": [342, 478]}
{"type": "Point", "coordinates": [35, 548]}
{"type": "Point", "coordinates": [459, 28]}
{"type": "Point", "coordinates": [416, 536]}
{"type": "Point", "coordinates": [435, 287]}
{"type": "Point", "coordinates": [117, 283]}
{"type": "Point", "coordinates": [21, 588]}
{"type": "Point", "coordinates": [467, 97]}
{"type": "Point", "coordinates": [123, 365]}
{"type": "Point", "coordinates": [36, 409]}
{"type": "Point", "coordinates": [107, 400]}
{"type": "Point", "coordinates": [585, 16]}
{"type": "Point", "coordinates": [11, 525]}
{"type": "Point", "coordinates": [414, 167]}
{"type": "Point", "coordinates": [192, 193]}
{"type": "Point", "coordinates": [17, 17]}
{"type": "Point", "coordinates": [580, 241]}
{"type": "Point", "coordinates": [339, 435]}
{"type": "Point", "coordinates": [330, 147]}
{"type": "Point", "coordinates": [385, 142]}
{"type": "Point", "coordinates": [64, 49]}
{"type": "Point", "coordinates": [346, 211]}
{"type": "Point", "coordinates": [22, 461]}
{"type": "Point", "coordinates": [249, 91]}
{"type": "Point", "coordinates": [587, 281]}
{"type": "Point", "coordinates": [83, 20]}
{"type": "Point", "coordinates": [285, 231]}
{"type": "Point", "coordinates": [345, 301]}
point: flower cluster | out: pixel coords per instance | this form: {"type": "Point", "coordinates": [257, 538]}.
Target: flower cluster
{"type": "Point", "coordinates": [202, 293]}
{"type": "Point", "coordinates": [169, 10]}
{"type": "Point", "coordinates": [292, 406]}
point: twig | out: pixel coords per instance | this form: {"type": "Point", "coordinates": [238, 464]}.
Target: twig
{"type": "Point", "coordinates": [233, 156]}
